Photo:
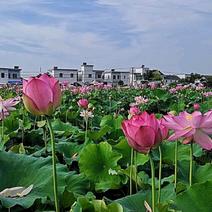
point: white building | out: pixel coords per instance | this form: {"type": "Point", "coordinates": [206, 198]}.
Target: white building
{"type": "Point", "coordinates": [137, 75]}
{"type": "Point", "coordinates": [10, 75]}
{"type": "Point", "coordinates": [168, 79]}
{"type": "Point", "coordinates": [117, 76]}
{"type": "Point", "coordinates": [183, 76]}
{"type": "Point", "coordinates": [88, 75]}
{"type": "Point", "coordinates": [65, 74]}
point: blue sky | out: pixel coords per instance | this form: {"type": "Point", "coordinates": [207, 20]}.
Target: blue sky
{"type": "Point", "coordinates": [174, 36]}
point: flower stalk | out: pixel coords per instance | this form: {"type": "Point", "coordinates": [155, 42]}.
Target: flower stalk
{"type": "Point", "coordinates": [153, 181]}
{"type": "Point", "coordinates": [191, 164]}
{"type": "Point", "coordinates": [175, 164]}
{"type": "Point", "coordinates": [136, 179]}
{"type": "Point", "coordinates": [131, 170]}
{"type": "Point", "coordinates": [53, 165]}
{"type": "Point", "coordinates": [160, 171]}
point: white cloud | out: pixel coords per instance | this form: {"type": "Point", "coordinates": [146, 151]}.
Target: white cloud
{"type": "Point", "coordinates": [159, 35]}
{"type": "Point", "coordinates": [146, 15]}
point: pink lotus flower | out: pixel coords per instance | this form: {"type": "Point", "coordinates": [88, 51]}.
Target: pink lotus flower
{"type": "Point", "coordinates": [207, 94]}
{"type": "Point", "coordinates": [179, 87]}
{"type": "Point", "coordinates": [163, 129]}
{"type": "Point", "coordinates": [41, 95]}
{"type": "Point", "coordinates": [190, 127]}
{"type": "Point", "coordinates": [75, 90]}
{"type": "Point", "coordinates": [7, 105]}
{"type": "Point", "coordinates": [153, 85]}
{"type": "Point", "coordinates": [134, 110]}
{"type": "Point", "coordinates": [84, 89]}
{"type": "Point", "coordinates": [140, 100]}
{"type": "Point", "coordinates": [143, 132]}
{"type": "Point", "coordinates": [196, 106]}
{"type": "Point", "coordinates": [173, 90]}
{"type": "Point", "coordinates": [83, 103]}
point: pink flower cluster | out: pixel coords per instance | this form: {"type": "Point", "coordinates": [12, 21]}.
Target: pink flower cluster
{"type": "Point", "coordinates": [153, 85]}
{"type": "Point", "coordinates": [88, 89]}
{"type": "Point", "coordinates": [207, 94]}
{"type": "Point", "coordinates": [139, 100]}
{"type": "Point", "coordinates": [81, 90]}
{"type": "Point", "coordinates": [144, 131]}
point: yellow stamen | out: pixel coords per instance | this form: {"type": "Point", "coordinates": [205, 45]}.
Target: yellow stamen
{"type": "Point", "coordinates": [189, 117]}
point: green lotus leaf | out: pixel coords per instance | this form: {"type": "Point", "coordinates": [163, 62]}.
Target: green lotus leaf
{"type": "Point", "coordinates": [113, 122]}
{"type": "Point", "coordinates": [99, 164]}
{"type": "Point", "coordinates": [124, 148]}
{"type": "Point", "coordinates": [61, 128]}
{"type": "Point", "coordinates": [168, 149]}
{"type": "Point", "coordinates": [203, 173]}
{"type": "Point", "coordinates": [87, 204]}
{"type": "Point", "coordinates": [197, 198]}
{"type": "Point", "coordinates": [69, 150]}
{"type": "Point", "coordinates": [21, 170]}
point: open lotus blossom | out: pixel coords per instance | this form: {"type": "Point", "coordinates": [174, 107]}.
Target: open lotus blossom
{"type": "Point", "coordinates": [143, 132]}
{"type": "Point", "coordinates": [86, 114]}
{"type": "Point", "coordinates": [134, 110]}
{"type": "Point", "coordinates": [207, 94]}
{"type": "Point", "coordinates": [191, 127]}
{"type": "Point", "coordinates": [7, 105]}
{"type": "Point", "coordinates": [173, 90]}
{"type": "Point", "coordinates": [140, 100]}
{"type": "Point", "coordinates": [41, 95]}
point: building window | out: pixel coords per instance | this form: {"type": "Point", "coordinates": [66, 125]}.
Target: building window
{"type": "Point", "coordinates": [99, 76]}
{"type": "Point", "coordinates": [2, 75]}
{"type": "Point", "coordinates": [114, 77]}
{"type": "Point", "coordinates": [61, 75]}
{"type": "Point", "coordinates": [71, 75]}
{"type": "Point", "coordinates": [118, 77]}
{"type": "Point", "coordinates": [89, 75]}
{"type": "Point", "coordinates": [9, 76]}
{"type": "Point", "coordinates": [124, 77]}
{"type": "Point", "coordinates": [15, 76]}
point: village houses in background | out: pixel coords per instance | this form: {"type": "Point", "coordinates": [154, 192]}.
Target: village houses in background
{"type": "Point", "coordinates": [87, 75]}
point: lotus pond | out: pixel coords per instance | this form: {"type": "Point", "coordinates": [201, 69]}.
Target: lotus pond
{"type": "Point", "coordinates": [99, 165]}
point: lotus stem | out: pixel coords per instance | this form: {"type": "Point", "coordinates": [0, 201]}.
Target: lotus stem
{"type": "Point", "coordinates": [22, 127]}
{"type": "Point", "coordinates": [160, 171]}
{"type": "Point", "coordinates": [153, 181]}
{"type": "Point", "coordinates": [53, 165]}
{"type": "Point", "coordinates": [175, 164]}
{"type": "Point", "coordinates": [131, 170]}
{"type": "Point", "coordinates": [35, 122]}
{"type": "Point", "coordinates": [45, 139]}
{"type": "Point", "coordinates": [191, 164]}
{"type": "Point", "coordinates": [136, 179]}
{"type": "Point", "coordinates": [2, 130]}
{"type": "Point", "coordinates": [66, 115]}
{"type": "Point", "coordinates": [86, 130]}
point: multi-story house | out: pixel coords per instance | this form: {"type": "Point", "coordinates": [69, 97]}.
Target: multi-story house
{"type": "Point", "coordinates": [117, 76]}
{"type": "Point", "coordinates": [10, 75]}
{"type": "Point", "coordinates": [168, 79]}
{"type": "Point", "coordinates": [183, 76]}
{"type": "Point", "coordinates": [98, 75]}
{"type": "Point", "coordinates": [65, 74]}
{"type": "Point", "coordinates": [137, 75]}
{"type": "Point", "coordinates": [88, 75]}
